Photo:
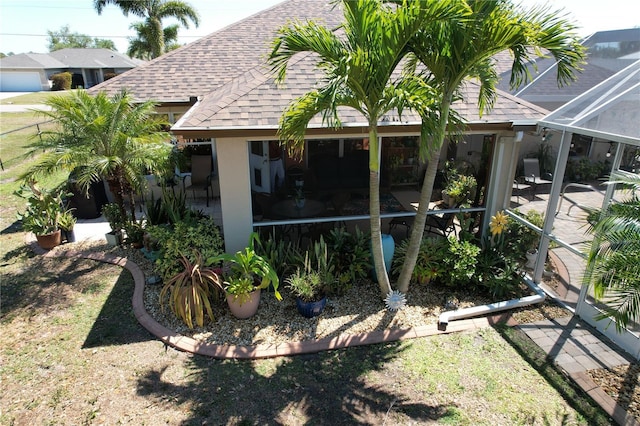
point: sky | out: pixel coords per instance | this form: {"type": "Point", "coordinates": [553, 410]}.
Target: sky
{"type": "Point", "coordinates": [24, 23]}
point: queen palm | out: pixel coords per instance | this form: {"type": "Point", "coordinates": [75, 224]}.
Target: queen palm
{"type": "Point", "coordinates": [358, 62]}
{"type": "Point", "coordinates": [153, 12]}
{"type": "Point", "coordinates": [102, 137]}
{"type": "Point", "coordinates": [454, 50]}
{"type": "Point", "coordinates": [612, 265]}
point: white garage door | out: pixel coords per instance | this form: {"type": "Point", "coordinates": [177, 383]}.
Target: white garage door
{"type": "Point", "coordinates": [20, 82]}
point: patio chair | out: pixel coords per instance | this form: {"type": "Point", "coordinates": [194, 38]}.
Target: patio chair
{"type": "Point", "coordinates": [441, 224]}
{"type": "Point", "coordinates": [532, 174]}
{"type": "Point", "coordinates": [201, 175]}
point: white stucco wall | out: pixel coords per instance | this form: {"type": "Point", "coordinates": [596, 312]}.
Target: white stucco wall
{"type": "Point", "coordinates": [235, 192]}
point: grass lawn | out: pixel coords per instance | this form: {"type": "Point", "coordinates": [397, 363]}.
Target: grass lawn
{"type": "Point", "coordinates": [32, 98]}
{"type": "Point", "coordinates": [73, 353]}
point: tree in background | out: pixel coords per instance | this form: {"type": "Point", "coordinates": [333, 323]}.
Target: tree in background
{"type": "Point", "coordinates": [140, 46]}
{"type": "Point", "coordinates": [64, 38]}
{"type": "Point", "coordinates": [153, 12]}
{"type": "Point", "coordinates": [454, 50]}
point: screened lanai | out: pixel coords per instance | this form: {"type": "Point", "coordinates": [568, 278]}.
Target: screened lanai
{"type": "Point", "coordinates": [608, 114]}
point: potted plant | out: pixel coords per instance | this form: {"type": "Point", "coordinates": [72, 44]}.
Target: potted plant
{"type": "Point", "coordinates": [42, 214]}
{"type": "Point", "coordinates": [308, 288]}
{"type": "Point", "coordinates": [189, 292]}
{"type": "Point", "coordinates": [67, 222]}
{"type": "Point", "coordinates": [116, 219]}
{"type": "Point", "coordinates": [135, 233]}
{"type": "Point", "coordinates": [459, 189]}
{"type": "Point", "coordinates": [245, 274]}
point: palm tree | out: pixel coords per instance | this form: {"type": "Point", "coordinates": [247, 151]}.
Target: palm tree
{"type": "Point", "coordinates": [612, 265]}
{"type": "Point", "coordinates": [358, 61]}
{"type": "Point", "coordinates": [102, 138]}
{"type": "Point", "coordinates": [153, 12]}
{"type": "Point", "coordinates": [141, 46]}
{"type": "Point", "coordinates": [457, 49]}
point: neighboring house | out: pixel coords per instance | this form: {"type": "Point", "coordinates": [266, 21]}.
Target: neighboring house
{"type": "Point", "coordinates": [219, 92]}
{"type": "Point", "coordinates": [608, 53]}
{"type": "Point", "coordinates": [31, 72]}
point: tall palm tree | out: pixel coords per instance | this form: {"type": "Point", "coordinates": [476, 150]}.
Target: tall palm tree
{"type": "Point", "coordinates": [358, 61]}
{"type": "Point", "coordinates": [612, 265]}
{"type": "Point", "coordinates": [153, 12]}
{"type": "Point", "coordinates": [102, 137]}
{"type": "Point", "coordinates": [457, 49]}
{"type": "Point", "coordinates": [141, 46]}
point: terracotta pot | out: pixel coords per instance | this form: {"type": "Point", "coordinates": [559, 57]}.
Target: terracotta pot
{"type": "Point", "coordinates": [49, 241]}
{"type": "Point", "coordinates": [242, 308]}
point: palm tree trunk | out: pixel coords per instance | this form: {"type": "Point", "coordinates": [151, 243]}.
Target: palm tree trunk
{"type": "Point", "coordinates": [417, 231]}
{"type": "Point", "coordinates": [374, 210]}
{"type": "Point", "coordinates": [157, 37]}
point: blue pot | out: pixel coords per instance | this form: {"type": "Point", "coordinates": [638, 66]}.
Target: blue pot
{"type": "Point", "coordinates": [388, 248]}
{"type": "Point", "coordinates": [311, 309]}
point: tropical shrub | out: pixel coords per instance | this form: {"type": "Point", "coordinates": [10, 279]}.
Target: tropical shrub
{"type": "Point", "coordinates": [351, 257]}
{"type": "Point", "coordinates": [498, 268]}
{"type": "Point", "coordinates": [246, 271]}
{"type": "Point", "coordinates": [43, 210]}
{"type": "Point", "coordinates": [459, 262]}
{"type": "Point", "coordinates": [429, 265]}
{"type": "Point", "coordinates": [279, 253]}
{"type": "Point", "coordinates": [190, 290]}
{"type": "Point", "coordinates": [201, 234]}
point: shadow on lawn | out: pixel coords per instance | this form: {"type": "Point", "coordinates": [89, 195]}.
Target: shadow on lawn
{"type": "Point", "coordinates": [323, 388]}
{"type": "Point", "coordinates": [537, 358]}
{"type": "Point", "coordinates": [116, 323]}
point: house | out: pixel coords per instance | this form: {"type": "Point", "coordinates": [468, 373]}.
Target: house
{"type": "Point", "coordinates": [31, 72]}
{"type": "Point", "coordinates": [222, 98]}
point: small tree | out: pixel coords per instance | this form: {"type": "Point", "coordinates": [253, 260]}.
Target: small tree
{"type": "Point", "coordinates": [102, 137]}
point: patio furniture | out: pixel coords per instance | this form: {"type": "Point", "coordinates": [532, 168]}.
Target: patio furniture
{"type": "Point", "coordinates": [201, 175]}
{"type": "Point", "coordinates": [441, 223]}
{"type": "Point", "coordinates": [518, 186]}
{"type": "Point", "coordinates": [532, 174]}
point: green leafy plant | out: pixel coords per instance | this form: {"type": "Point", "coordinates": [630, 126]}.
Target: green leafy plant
{"type": "Point", "coordinates": [189, 291]}
{"type": "Point", "coordinates": [459, 263]}
{"type": "Point", "coordinates": [114, 215]}
{"type": "Point", "coordinates": [280, 253]}
{"type": "Point", "coordinates": [430, 259]}
{"type": "Point", "coordinates": [67, 220]}
{"type": "Point", "coordinates": [246, 271]}
{"type": "Point", "coordinates": [461, 188]}
{"type": "Point", "coordinates": [351, 257]}
{"type": "Point", "coordinates": [135, 231]}
{"type": "Point", "coordinates": [306, 285]}
{"type": "Point", "coordinates": [43, 210]}
{"type": "Point", "coordinates": [201, 234]}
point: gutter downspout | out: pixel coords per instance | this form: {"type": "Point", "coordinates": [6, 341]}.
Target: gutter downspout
{"type": "Point", "coordinates": [474, 311]}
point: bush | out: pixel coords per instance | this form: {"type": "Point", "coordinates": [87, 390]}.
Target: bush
{"type": "Point", "coordinates": [351, 254]}
{"type": "Point", "coordinates": [202, 235]}
{"type": "Point", "coordinates": [429, 265]}
{"type": "Point", "coordinates": [61, 81]}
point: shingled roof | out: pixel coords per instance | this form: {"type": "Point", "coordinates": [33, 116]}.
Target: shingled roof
{"type": "Point", "coordinates": [226, 70]}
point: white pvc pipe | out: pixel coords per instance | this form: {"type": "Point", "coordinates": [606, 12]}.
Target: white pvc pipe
{"type": "Point", "coordinates": [475, 311]}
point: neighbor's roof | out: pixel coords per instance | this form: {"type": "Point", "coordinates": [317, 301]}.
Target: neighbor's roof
{"type": "Point", "coordinates": [94, 58]}
{"type": "Point", "coordinates": [226, 70]}
{"type": "Point", "coordinates": [30, 61]}
{"type": "Point", "coordinates": [69, 58]}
